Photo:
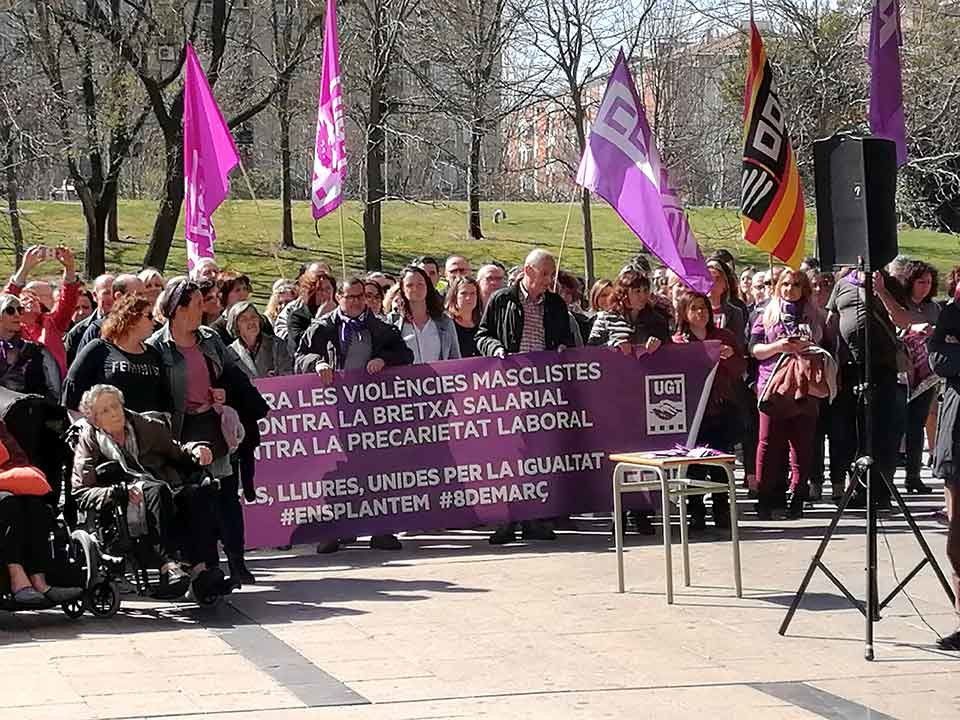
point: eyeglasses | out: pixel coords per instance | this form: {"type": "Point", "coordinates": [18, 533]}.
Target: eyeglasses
{"type": "Point", "coordinates": [354, 296]}
{"type": "Point", "coordinates": [13, 310]}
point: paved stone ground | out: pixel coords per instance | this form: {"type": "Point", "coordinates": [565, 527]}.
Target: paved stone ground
{"type": "Point", "coordinates": [453, 628]}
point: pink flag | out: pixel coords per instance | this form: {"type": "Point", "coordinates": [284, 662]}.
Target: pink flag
{"type": "Point", "coordinates": [208, 157]}
{"type": "Point", "coordinates": [330, 155]}
{"type": "Point", "coordinates": [621, 164]}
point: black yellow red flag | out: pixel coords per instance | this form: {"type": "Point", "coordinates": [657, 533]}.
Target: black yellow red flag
{"type": "Point", "coordinates": [771, 194]}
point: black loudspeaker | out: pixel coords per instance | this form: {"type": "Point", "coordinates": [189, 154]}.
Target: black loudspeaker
{"type": "Point", "coordinates": [856, 184]}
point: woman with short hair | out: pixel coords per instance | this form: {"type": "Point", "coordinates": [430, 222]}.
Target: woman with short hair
{"type": "Point", "coordinates": [155, 471]}
{"type": "Point", "coordinates": [260, 353]}
{"type": "Point", "coordinates": [153, 283]}
{"type": "Point", "coordinates": [120, 357]}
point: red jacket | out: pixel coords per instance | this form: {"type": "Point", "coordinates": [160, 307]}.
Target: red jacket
{"type": "Point", "coordinates": [52, 326]}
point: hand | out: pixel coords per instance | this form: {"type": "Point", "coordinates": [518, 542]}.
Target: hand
{"type": "Point", "coordinates": [626, 348]}
{"type": "Point", "coordinates": [952, 339]}
{"type": "Point", "coordinates": [652, 344]}
{"type": "Point", "coordinates": [218, 396]}
{"type": "Point", "coordinates": [375, 366]}
{"type": "Point", "coordinates": [879, 284]}
{"type": "Point", "coordinates": [202, 454]}
{"type": "Point", "coordinates": [561, 348]}
{"type": "Point", "coordinates": [325, 372]}
{"type": "Point", "coordinates": [726, 352]}
{"type": "Point", "coordinates": [135, 494]}
{"type": "Point", "coordinates": [795, 346]}
{"type": "Point", "coordinates": [65, 257]}
{"type": "Point", "coordinates": [500, 353]}
{"type": "Point", "coordinates": [31, 258]}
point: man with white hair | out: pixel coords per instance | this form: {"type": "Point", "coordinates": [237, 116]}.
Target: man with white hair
{"type": "Point", "coordinates": [456, 266]}
{"type": "Point", "coordinates": [103, 294]}
{"type": "Point", "coordinates": [123, 284]}
{"type": "Point", "coordinates": [205, 269]}
{"type": "Point", "coordinates": [526, 316]}
{"type": "Point", "coordinates": [490, 278]}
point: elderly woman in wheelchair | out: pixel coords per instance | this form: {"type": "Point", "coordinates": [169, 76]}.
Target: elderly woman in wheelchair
{"type": "Point", "coordinates": [128, 470]}
{"type": "Point", "coordinates": [26, 522]}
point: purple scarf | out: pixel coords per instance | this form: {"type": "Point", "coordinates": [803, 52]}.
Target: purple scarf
{"type": "Point", "coordinates": [350, 328]}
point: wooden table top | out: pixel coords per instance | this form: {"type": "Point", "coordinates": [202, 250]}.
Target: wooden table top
{"type": "Point", "coordinates": [651, 459]}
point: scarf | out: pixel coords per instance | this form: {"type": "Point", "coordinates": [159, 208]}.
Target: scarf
{"type": "Point", "coordinates": [791, 315]}
{"type": "Point", "coordinates": [351, 328]}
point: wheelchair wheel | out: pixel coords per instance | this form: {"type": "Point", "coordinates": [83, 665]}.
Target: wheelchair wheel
{"type": "Point", "coordinates": [87, 553]}
{"type": "Point", "coordinates": [74, 609]}
{"type": "Point", "coordinates": [103, 599]}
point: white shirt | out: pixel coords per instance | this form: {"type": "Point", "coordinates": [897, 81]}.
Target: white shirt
{"type": "Point", "coordinates": [423, 342]}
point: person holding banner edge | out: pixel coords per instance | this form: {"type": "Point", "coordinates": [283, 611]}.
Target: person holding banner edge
{"type": "Point", "coordinates": [351, 338]}
{"type": "Point", "coordinates": [526, 317]}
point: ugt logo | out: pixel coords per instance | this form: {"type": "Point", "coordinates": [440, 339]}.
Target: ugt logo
{"type": "Point", "coordinates": [666, 404]}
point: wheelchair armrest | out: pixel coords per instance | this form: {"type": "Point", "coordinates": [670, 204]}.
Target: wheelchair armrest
{"type": "Point", "coordinates": [110, 473]}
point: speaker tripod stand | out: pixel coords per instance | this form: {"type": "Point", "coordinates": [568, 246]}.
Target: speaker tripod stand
{"type": "Point", "coordinates": [866, 474]}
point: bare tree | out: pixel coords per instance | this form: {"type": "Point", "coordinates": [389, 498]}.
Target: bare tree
{"type": "Point", "coordinates": [577, 40]}
{"type": "Point", "coordinates": [376, 29]}
{"type": "Point", "coordinates": [224, 31]}
{"type": "Point", "coordinates": [459, 60]}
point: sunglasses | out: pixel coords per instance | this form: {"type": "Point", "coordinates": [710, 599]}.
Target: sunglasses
{"type": "Point", "coordinates": [13, 311]}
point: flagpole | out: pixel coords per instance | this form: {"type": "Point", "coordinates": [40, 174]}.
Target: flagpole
{"type": "Point", "coordinates": [256, 205]}
{"type": "Point", "coordinates": [343, 252]}
{"type": "Point", "coordinates": [563, 237]}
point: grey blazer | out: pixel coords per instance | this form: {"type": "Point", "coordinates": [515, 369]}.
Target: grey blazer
{"type": "Point", "coordinates": [449, 343]}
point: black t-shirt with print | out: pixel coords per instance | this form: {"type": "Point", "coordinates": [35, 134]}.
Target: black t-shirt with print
{"type": "Point", "coordinates": [139, 376]}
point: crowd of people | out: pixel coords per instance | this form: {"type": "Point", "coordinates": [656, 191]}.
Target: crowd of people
{"type": "Point", "coordinates": [161, 370]}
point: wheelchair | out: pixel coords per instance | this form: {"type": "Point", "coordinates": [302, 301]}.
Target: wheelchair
{"type": "Point", "coordinates": [122, 554]}
{"type": "Point", "coordinates": [38, 425]}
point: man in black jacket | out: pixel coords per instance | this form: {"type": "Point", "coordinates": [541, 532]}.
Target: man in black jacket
{"type": "Point", "coordinates": [526, 317]}
{"type": "Point", "coordinates": [350, 338]}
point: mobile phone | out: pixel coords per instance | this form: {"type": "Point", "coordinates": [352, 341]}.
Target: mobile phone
{"type": "Point", "coordinates": [48, 253]}
{"type": "Point", "coordinates": [794, 338]}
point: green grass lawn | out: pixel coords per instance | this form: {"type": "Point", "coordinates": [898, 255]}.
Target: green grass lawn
{"type": "Point", "coordinates": [247, 236]}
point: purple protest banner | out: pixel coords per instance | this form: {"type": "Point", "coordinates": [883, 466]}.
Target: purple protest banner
{"type": "Point", "coordinates": [465, 442]}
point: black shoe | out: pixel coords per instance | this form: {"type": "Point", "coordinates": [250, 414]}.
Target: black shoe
{"type": "Point", "coordinates": [60, 595]}
{"type": "Point", "coordinates": [239, 574]}
{"type": "Point", "coordinates": [950, 642]}
{"type": "Point", "coordinates": [697, 522]}
{"type": "Point", "coordinates": [644, 524]}
{"type": "Point", "coordinates": [795, 506]}
{"type": "Point", "coordinates": [764, 513]}
{"type": "Point", "coordinates": [537, 531]}
{"type": "Point", "coordinates": [331, 546]}
{"type": "Point", "coordinates": [385, 542]}
{"type": "Point", "coordinates": [174, 583]}
{"type": "Point", "coordinates": [564, 523]}
{"type": "Point", "coordinates": [721, 517]}
{"type": "Point", "coordinates": [503, 536]}
{"type": "Point", "coordinates": [916, 485]}
{"type": "Point", "coordinates": [207, 585]}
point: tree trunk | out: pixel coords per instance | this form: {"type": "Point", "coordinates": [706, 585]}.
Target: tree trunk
{"type": "Point", "coordinates": [475, 232]}
{"type": "Point", "coordinates": [95, 219]}
{"type": "Point", "coordinates": [113, 234]}
{"type": "Point", "coordinates": [165, 226]}
{"type": "Point", "coordinates": [283, 117]}
{"type": "Point", "coordinates": [13, 197]}
{"type": "Point", "coordinates": [372, 238]}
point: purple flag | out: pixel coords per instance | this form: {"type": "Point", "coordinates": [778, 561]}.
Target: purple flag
{"type": "Point", "coordinates": [621, 164]}
{"type": "Point", "coordinates": [208, 157]}
{"type": "Point", "coordinates": [886, 85]}
{"type": "Point", "coordinates": [329, 155]}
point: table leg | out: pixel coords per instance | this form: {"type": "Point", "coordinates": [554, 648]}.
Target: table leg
{"type": "Point", "coordinates": [667, 550]}
{"type": "Point", "coordinates": [734, 529]}
{"type": "Point", "coordinates": [618, 523]}
{"type": "Point", "coordinates": [684, 538]}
